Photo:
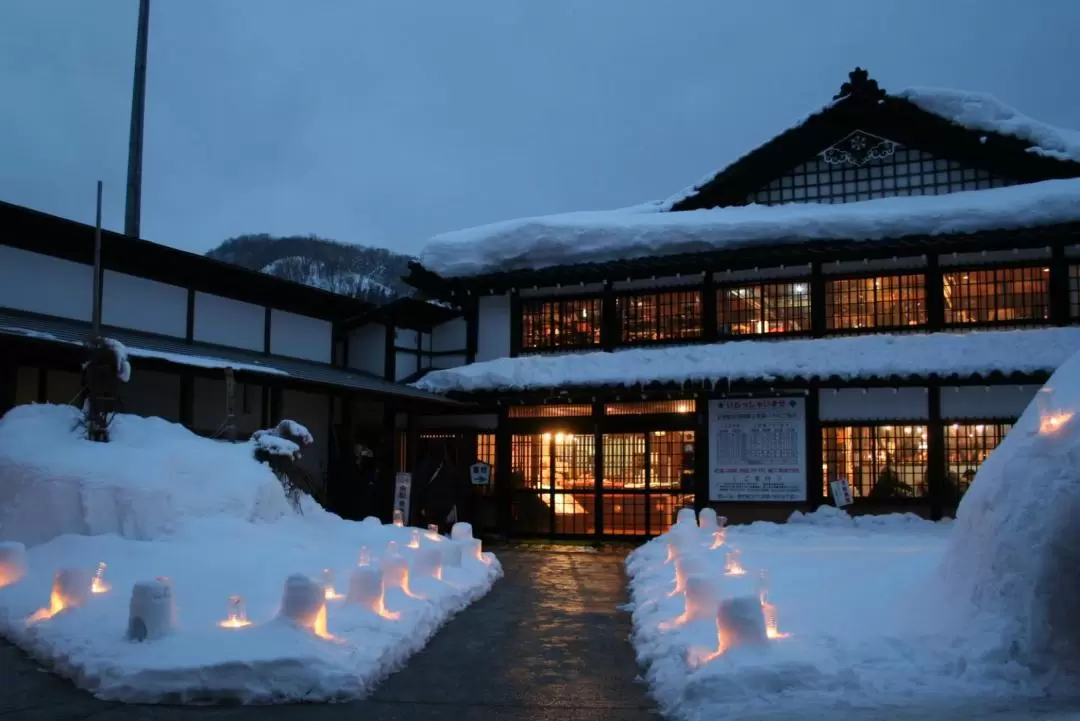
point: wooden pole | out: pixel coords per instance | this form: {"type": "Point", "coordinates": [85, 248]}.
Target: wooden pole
{"type": "Point", "coordinates": [96, 303]}
{"type": "Point", "coordinates": [133, 202]}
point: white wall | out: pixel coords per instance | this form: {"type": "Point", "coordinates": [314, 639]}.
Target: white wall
{"type": "Point", "coordinates": [984, 402]}
{"type": "Point", "coordinates": [874, 404]}
{"type": "Point", "coordinates": [140, 304]}
{"type": "Point", "coordinates": [405, 364]}
{"type": "Point", "coordinates": [42, 284]}
{"type": "Point", "coordinates": [447, 361]}
{"type": "Point", "coordinates": [229, 322]}
{"type": "Point", "coordinates": [367, 348]}
{"type": "Point", "coordinates": [299, 336]}
{"type": "Point", "coordinates": [312, 411]}
{"type": "Point", "coordinates": [449, 335]}
{"type": "Point", "coordinates": [493, 330]}
{"type": "Point", "coordinates": [152, 394]}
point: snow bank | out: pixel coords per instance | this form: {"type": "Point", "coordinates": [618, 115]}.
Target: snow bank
{"type": "Point", "coordinates": [592, 237]}
{"type": "Point", "coordinates": [859, 624]}
{"type": "Point", "coordinates": [1014, 561]}
{"type": "Point", "coordinates": [871, 356]}
{"type": "Point", "coordinates": [146, 483]}
{"type": "Point", "coordinates": [208, 521]}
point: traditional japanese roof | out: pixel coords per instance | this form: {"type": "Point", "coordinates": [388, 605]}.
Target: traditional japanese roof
{"type": "Point", "coordinates": [971, 129]}
{"type": "Point", "coordinates": [979, 354]}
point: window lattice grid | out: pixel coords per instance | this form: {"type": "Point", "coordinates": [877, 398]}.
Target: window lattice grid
{"type": "Point", "coordinates": [402, 452]}
{"type": "Point", "coordinates": [967, 446]}
{"type": "Point", "coordinates": [531, 513]}
{"type": "Point", "coordinates": [573, 460]}
{"type": "Point", "coordinates": [997, 295]}
{"type": "Point", "coordinates": [575, 513]}
{"type": "Point", "coordinates": [663, 508]}
{"type": "Point", "coordinates": [569, 323]}
{"type": "Point", "coordinates": [763, 308]}
{"type": "Point", "coordinates": [907, 172]}
{"type": "Point", "coordinates": [624, 461]}
{"type": "Point", "coordinates": [645, 408]}
{"type": "Point", "coordinates": [1074, 291]}
{"type": "Point", "coordinates": [530, 462]}
{"type": "Point", "coordinates": [671, 460]}
{"type": "Point", "coordinates": [888, 301]}
{"type": "Point", "coordinates": [485, 453]}
{"type": "Point", "coordinates": [880, 462]}
{"type": "Point", "coordinates": [624, 514]}
{"type": "Point", "coordinates": [673, 315]}
{"type": "Point", "coordinates": [567, 410]}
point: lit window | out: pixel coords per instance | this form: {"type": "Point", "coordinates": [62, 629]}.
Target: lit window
{"type": "Point", "coordinates": [672, 315]}
{"type": "Point", "coordinates": [553, 324]}
{"type": "Point", "coordinates": [967, 445]}
{"type": "Point", "coordinates": [891, 301]}
{"type": "Point", "coordinates": [999, 295]}
{"type": "Point", "coordinates": [880, 462]}
{"type": "Point", "coordinates": [764, 308]}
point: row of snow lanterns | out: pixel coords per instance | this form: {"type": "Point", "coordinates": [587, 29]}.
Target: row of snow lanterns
{"type": "Point", "coordinates": [152, 611]}
{"type": "Point", "coordinates": [740, 620]}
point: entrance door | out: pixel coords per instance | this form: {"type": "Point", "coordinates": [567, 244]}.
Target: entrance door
{"type": "Point", "coordinates": [477, 505]}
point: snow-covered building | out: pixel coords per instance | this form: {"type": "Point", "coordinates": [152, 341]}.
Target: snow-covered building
{"type": "Point", "coordinates": [874, 295]}
{"type": "Point", "coordinates": [219, 348]}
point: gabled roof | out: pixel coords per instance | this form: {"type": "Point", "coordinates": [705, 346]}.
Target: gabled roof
{"type": "Point", "coordinates": [974, 129]}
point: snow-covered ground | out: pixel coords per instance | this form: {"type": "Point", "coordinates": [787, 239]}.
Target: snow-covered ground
{"type": "Point", "coordinates": [158, 501]}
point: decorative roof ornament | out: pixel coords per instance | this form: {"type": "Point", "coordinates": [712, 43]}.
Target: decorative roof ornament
{"type": "Point", "coordinates": [858, 148]}
{"type": "Point", "coordinates": [860, 86]}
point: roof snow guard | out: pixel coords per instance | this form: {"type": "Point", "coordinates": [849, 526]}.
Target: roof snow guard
{"type": "Point", "coordinates": [973, 129]}
{"type": "Point", "coordinates": [858, 358]}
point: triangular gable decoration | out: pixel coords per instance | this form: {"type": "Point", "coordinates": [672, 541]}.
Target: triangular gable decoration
{"type": "Point", "coordinates": [857, 148]}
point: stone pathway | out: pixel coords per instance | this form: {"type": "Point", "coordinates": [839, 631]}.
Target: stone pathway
{"type": "Point", "coordinates": [547, 644]}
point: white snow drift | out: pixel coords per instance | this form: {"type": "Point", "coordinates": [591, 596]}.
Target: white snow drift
{"type": "Point", "coordinates": [214, 553]}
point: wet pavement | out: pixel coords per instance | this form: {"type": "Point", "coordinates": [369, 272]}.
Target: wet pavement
{"type": "Point", "coordinates": [546, 644]}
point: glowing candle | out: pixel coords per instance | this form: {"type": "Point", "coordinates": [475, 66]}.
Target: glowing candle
{"type": "Point", "coordinates": [236, 616]}
{"type": "Point", "coordinates": [399, 518]}
{"type": "Point", "coordinates": [98, 585]}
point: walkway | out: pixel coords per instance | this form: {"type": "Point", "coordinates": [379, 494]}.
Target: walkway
{"type": "Point", "coordinates": [546, 644]}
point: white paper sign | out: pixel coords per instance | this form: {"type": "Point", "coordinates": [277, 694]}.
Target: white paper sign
{"type": "Point", "coordinates": [480, 473]}
{"type": "Point", "coordinates": [757, 449]}
{"type": "Point", "coordinates": [841, 492]}
{"type": "Point", "coordinates": [402, 491]}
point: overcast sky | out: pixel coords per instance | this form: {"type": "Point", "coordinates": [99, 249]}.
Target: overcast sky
{"type": "Point", "coordinates": [384, 122]}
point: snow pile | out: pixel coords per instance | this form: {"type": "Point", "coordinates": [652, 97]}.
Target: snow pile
{"type": "Point", "coordinates": [856, 621]}
{"type": "Point", "coordinates": [593, 237]}
{"type": "Point", "coordinates": [981, 111]}
{"type": "Point", "coordinates": [854, 357]}
{"type": "Point", "coordinates": [205, 524]}
{"type": "Point", "coordinates": [1014, 561]}
{"type": "Point", "coordinates": [123, 367]}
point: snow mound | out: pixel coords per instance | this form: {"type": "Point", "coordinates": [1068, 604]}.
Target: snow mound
{"type": "Point", "coordinates": [1014, 560]}
{"type": "Point", "coordinates": [146, 483]}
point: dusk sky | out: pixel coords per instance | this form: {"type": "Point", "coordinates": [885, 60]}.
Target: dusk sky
{"type": "Point", "coordinates": [383, 123]}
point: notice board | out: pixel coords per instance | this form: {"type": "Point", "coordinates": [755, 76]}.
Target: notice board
{"type": "Point", "coordinates": [757, 449]}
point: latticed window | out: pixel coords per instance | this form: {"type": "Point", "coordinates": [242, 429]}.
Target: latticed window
{"type": "Point", "coordinates": [763, 308]}
{"type": "Point", "coordinates": [485, 453]}
{"type": "Point", "coordinates": [552, 410]}
{"type": "Point", "coordinates": [880, 462]}
{"type": "Point", "coordinates": [644, 408]}
{"type": "Point", "coordinates": [888, 301]}
{"type": "Point", "coordinates": [559, 469]}
{"type": "Point", "coordinates": [553, 324]}
{"type": "Point", "coordinates": [967, 445]}
{"type": "Point", "coordinates": [997, 295]}
{"type": "Point", "coordinates": [672, 315]}
{"type": "Point", "coordinates": [1074, 291]}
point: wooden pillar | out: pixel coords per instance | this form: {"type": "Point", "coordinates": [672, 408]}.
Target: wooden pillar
{"type": "Point", "coordinates": [230, 405]}
{"type": "Point", "coordinates": [815, 480]}
{"type": "Point", "coordinates": [472, 328]}
{"type": "Point", "coordinates": [818, 317]}
{"type": "Point", "coordinates": [609, 318]}
{"type": "Point", "coordinates": [277, 405]}
{"type": "Point", "coordinates": [189, 330]}
{"type": "Point", "coordinates": [267, 329]}
{"type": "Point", "coordinates": [701, 453]}
{"type": "Point", "coordinates": [390, 350]}
{"type": "Point", "coordinates": [1060, 301]}
{"type": "Point", "coordinates": [9, 379]}
{"type": "Point", "coordinates": [504, 497]}
{"type": "Point", "coordinates": [710, 329]}
{"type": "Point", "coordinates": [935, 453]}
{"type": "Point", "coordinates": [935, 293]}
{"type": "Point", "coordinates": [598, 467]}
{"type": "Point", "coordinates": [515, 324]}
{"type": "Point", "coordinates": [187, 399]}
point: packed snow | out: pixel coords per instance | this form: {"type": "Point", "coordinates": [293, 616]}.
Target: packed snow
{"type": "Point", "coordinates": [123, 366]}
{"type": "Point", "coordinates": [848, 358]}
{"type": "Point", "coordinates": [593, 237]}
{"type": "Point", "coordinates": [185, 525]}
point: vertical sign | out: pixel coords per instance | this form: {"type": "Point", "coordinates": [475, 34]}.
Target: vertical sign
{"type": "Point", "coordinates": [841, 492]}
{"type": "Point", "coordinates": [402, 490]}
{"type": "Point", "coordinates": [758, 449]}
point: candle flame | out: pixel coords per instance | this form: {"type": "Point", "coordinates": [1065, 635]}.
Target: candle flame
{"type": "Point", "coordinates": [772, 630]}
{"type": "Point", "coordinates": [56, 605]}
{"type": "Point", "coordinates": [234, 622]}
{"type": "Point", "coordinates": [1052, 422]}
{"type": "Point", "coordinates": [718, 540]}
{"type": "Point", "coordinates": [319, 627]}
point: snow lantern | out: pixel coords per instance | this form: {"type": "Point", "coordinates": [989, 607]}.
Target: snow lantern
{"type": "Point", "coordinates": [733, 564]}
{"type": "Point", "coordinates": [366, 589]}
{"type": "Point", "coordinates": [686, 566]}
{"type": "Point", "coordinates": [414, 538]}
{"type": "Point", "coordinates": [328, 586]}
{"type": "Point", "coordinates": [304, 604]}
{"type": "Point", "coordinates": [391, 548]}
{"type": "Point", "coordinates": [461, 531]}
{"type": "Point", "coordinates": [152, 612]}
{"type": "Point", "coordinates": [99, 585]}
{"type": "Point", "coordinates": [451, 553]}
{"type": "Point", "coordinates": [70, 589]}
{"type": "Point", "coordinates": [1052, 414]}
{"type": "Point", "coordinates": [365, 557]}
{"type": "Point", "coordinates": [772, 626]}
{"type": "Point", "coordinates": [12, 562]}
{"type": "Point", "coordinates": [740, 622]}
{"type": "Point", "coordinates": [707, 520]}
{"type": "Point", "coordinates": [433, 532]}
{"type": "Point", "coordinates": [429, 563]}
{"type": "Point", "coordinates": [701, 599]}
{"type": "Point", "coordinates": [685, 518]}
{"type": "Point", "coordinates": [236, 614]}
{"type": "Point", "coordinates": [399, 517]}
{"type": "Point", "coordinates": [396, 573]}
{"type": "Point", "coordinates": [371, 521]}
{"type": "Point", "coordinates": [474, 548]}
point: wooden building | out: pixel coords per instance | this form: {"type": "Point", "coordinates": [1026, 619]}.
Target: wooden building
{"type": "Point", "coordinates": [874, 295]}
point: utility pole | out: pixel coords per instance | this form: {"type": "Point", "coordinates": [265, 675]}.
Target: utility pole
{"type": "Point", "coordinates": [133, 205]}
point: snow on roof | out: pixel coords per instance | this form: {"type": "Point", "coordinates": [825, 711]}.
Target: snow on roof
{"type": "Point", "coordinates": [981, 111]}
{"type": "Point", "coordinates": [641, 231]}
{"type": "Point", "coordinates": [848, 358]}
{"type": "Point", "coordinates": [203, 361]}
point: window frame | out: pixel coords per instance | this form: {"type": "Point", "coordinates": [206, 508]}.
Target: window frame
{"type": "Point", "coordinates": [525, 303]}
{"type": "Point", "coordinates": [619, 326]}
{"type": "Point", "coordinates": [728, 286]}
{"type": "Point", "coordinates": [827, 280]}
{"type": "Point", "coordinates": [1046, 263]}
{"type": "Point", "coordinates": [856, 489]}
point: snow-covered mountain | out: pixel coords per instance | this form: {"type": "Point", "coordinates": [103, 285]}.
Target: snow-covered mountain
{"type": "Point", "coordinates": [373, 274]}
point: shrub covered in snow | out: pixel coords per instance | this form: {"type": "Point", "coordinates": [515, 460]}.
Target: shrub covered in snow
{"type": "Point", "coordinates": [279, 448]}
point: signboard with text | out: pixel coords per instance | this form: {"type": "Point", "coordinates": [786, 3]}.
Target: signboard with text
{"type": "Point", "coordinates": [480, 473]}
{"type": "Point", "coordinates": [402, 492]}
{"type": "Point", "coordinates": [841, 492]}
{"type": "Point", "coordinates": [757, 449]}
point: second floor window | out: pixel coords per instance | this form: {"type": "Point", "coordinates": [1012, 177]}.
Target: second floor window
{"type": "Point", "coordinates": [763, 308]}
{"type": "Point", "coordinates": [553, 324]}
{"type": "Point", "coordinates": [672, 315]}
{"type": "Point", "coordinates": [998, 295]}
{"type": "Point", "coordinates": [887, 301]}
